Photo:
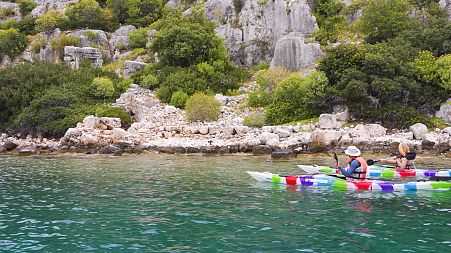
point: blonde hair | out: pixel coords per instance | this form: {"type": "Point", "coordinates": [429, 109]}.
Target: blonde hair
{"type": "Point", "coordinates": [403, 148]}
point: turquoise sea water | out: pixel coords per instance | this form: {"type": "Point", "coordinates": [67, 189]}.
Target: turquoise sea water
{"type": "Point", "coordinates": [168, 203]}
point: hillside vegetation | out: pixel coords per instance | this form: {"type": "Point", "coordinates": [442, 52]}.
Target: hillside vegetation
{"type": "Point", "coordinates": [392, 64]}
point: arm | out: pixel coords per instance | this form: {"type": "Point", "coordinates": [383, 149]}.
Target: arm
{"type": "Point", "coordinates": [402, 163]}
{"type": "Point", "coordinates": [350, 169]}
{"type": "Point", "coordinates": [393, 160]}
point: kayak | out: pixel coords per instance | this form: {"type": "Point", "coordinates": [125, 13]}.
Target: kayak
{"type": "Point", "coordinates": [374, 171]}
{"type": "Point", "coordinates": [338, 183]}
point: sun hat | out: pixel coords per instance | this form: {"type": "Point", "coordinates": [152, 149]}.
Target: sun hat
{"type": "Point", "coordinates": [352, 151]}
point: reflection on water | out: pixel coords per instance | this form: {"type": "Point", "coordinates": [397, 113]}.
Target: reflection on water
{"type": "Point", "coordinates": [163, 203]}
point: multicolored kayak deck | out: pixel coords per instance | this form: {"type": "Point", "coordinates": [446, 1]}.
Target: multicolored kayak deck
{"type": "Point", "coordinates": [338, 183]}
{"type": "Point", "coordinates": [375, 171]}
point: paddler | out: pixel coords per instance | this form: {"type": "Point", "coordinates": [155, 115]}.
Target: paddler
{"type": "Point", "coordinates": [357, 166]}
{"type": "Point", "coordinates": [404, 161]}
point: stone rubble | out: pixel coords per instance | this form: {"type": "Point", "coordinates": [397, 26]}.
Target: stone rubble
{"type": "Point", "coordinates": [158, 127]}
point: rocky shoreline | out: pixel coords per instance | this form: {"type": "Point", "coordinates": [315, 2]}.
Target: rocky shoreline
{"type": "Point", "coordinates": [162, 128]}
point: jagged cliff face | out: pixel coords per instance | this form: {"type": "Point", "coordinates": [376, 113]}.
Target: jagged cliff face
{"type": "Point", "coordinates": [254, 29]}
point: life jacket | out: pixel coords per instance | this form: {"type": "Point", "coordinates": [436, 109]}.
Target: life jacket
{"type": "Point", "coordinates": [409, 158]}
{"type": "Point", "coordinates": [359, 172]}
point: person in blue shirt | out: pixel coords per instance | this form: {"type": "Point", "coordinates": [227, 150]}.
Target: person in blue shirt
{"type": "Point", "coordinates": [357, 166]}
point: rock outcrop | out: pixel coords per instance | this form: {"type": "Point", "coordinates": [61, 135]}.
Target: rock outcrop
{"type": "Point", "coordinates": [445, 111]}
{"type": "Point", "coordinates": [252, 28]}
{"type": "Point", "coordinates": [292, 53]}
{"type": "Point", "coordinates": [74, 56]}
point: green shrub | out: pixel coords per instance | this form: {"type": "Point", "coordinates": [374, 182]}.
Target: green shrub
{"type": "Point", "coordinates": [58, 44]}
{"type": "Point", "coordinates": [26, 26]}
{"type": "Point", "coordinates": [254, 120]}
{"type": "Point", "coordinates": [444, 71]}
{"type": "Point", "coordinates": [103, 87]}
{"type": "Point", "coordinates": [8, 24]}
{"type": "Point", "coordinates": [138, 38]}
{"type": "Point", "coordinates": [178, 99]}
{"type": "Point", "coordinates": [259, 98]}
{"type": "Point", "coordinates": [88, 14]}
{"type": "Point", "coordinates": [119, 10]}
{"type": "Point", "coordinates": [7, 12]}
{"type": "Point", "coordinates": [12, 42]}
{"type": "Point", "coordinates": [51, 20]}
{"type": "Point", "coordinates": [200, 107]}
{"type": "Point", "coordinates": [384, 19]}
{"type": "Point", "coordinates": [114, 112]}
{"type": "Point", "coordinates": [91, 35]}
{"type": "Point", "coordinates": [38, 45]}
{"type": "Point", "coordinates": [26, 6]}
{"type": "Point", "coordinates": [270, 78]}
{"type": "Point", "coordinates": [149, 81]}
{"type": "Point", "coordinates": [297, 98]}
{"type": "Point", "coordinates": [142, 13]}
{"type": "Point", "coordinates": [330, 20]}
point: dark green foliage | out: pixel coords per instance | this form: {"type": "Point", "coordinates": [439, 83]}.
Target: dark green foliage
{"type": "Point", "coordinates": [330, 20]}
{"type": "Point", "coordinates": [138, 38]}
{"type": "Point", "coordinates": [259, 98]}
{"type": "Point", "coordinates": [45, 98]}
{"type": "Point", "coordinates": [119, 10]}
{"type": "Point", "coordinates": [144, 12]}
{"type": "Point", "coordinates": [384, 19]}
{"type": "Point", "coordinates": [12, 42]}
{"type": "Point", "coordinates": [297, 98]}
{"type": "Point", "coordinates": [88, 14]}
{"type": "Point", "coordinates": [380, 83]}
{"type": "Point", "coordinates": [187, 40]}
{"type": "Point", "coordinates": [26, 6]}
{"type": "Point", "coordinates": [192, 58]}
{"type": "Point", "coordinates": [114, 112]}
{"type": "Point", "coordinates": [179, 98]}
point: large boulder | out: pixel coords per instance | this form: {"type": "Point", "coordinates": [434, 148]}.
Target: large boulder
{"type": "Point", "coordinates": [291, 52]}
{"type": "Point", "coordinates": [325, 137]}
{"type": "Point", "coordinates": [133, 66]}
{"type": "Point", "coordinates": [74, 56]}
{"type": "Point", "coordinates": [251, 30]}
{"type": "Point", "coordinates": [119, 38]}
{"type": "Point", "coordinates": [91, 37]}
{"type": "Point", "coordinates": [328, 121]}
{"type": "Point", "coordinates": [419, 130]}
{"type": "Point", "coordinates": [445, 111]}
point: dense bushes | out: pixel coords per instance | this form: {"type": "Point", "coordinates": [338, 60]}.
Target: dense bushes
{"type": "Point", "coordinates": [51, 20]}
{"type": "Point", "coordinates": [330, 20]}
{"type": "Point", "coordinates": [192, 58]}
{"type": "Point", "coordinates": [26, 6]}
{"type": "Point", "coordinates": [12, 42]}
{"type": "Point", "coordinates": [200, 107]}
{"type": "Point", "coordinates": [88, 14]}
{"type": "Point", "coordinates": [45, 98]}
{"type": "Point", "coordinates": [382, 84]}
{"type": "Point", "coordinates": [297, 98]}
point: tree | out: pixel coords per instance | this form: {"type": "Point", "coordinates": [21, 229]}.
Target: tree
{"type": "Point", "coordinates": [384, 19]}
{"type": "Point", "coordinates": [187, 40]}
{"type": "Point", "coordinates": [144, 12]}
{"type": "Point", "coordinates": [88, 14]}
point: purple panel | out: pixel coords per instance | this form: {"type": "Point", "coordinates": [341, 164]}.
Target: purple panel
{"type": "Point", "coordinates": [386, 186]}
{"type": "Point", "coordinates": [304, 182]}
{"type": "Point", "coordinates": [429, 173]}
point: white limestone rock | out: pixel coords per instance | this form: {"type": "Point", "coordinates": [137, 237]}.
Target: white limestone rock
{"type": "Point", "coordinates": [419, 130]}
{"type": "Point", "coordinates": [328, 121]}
